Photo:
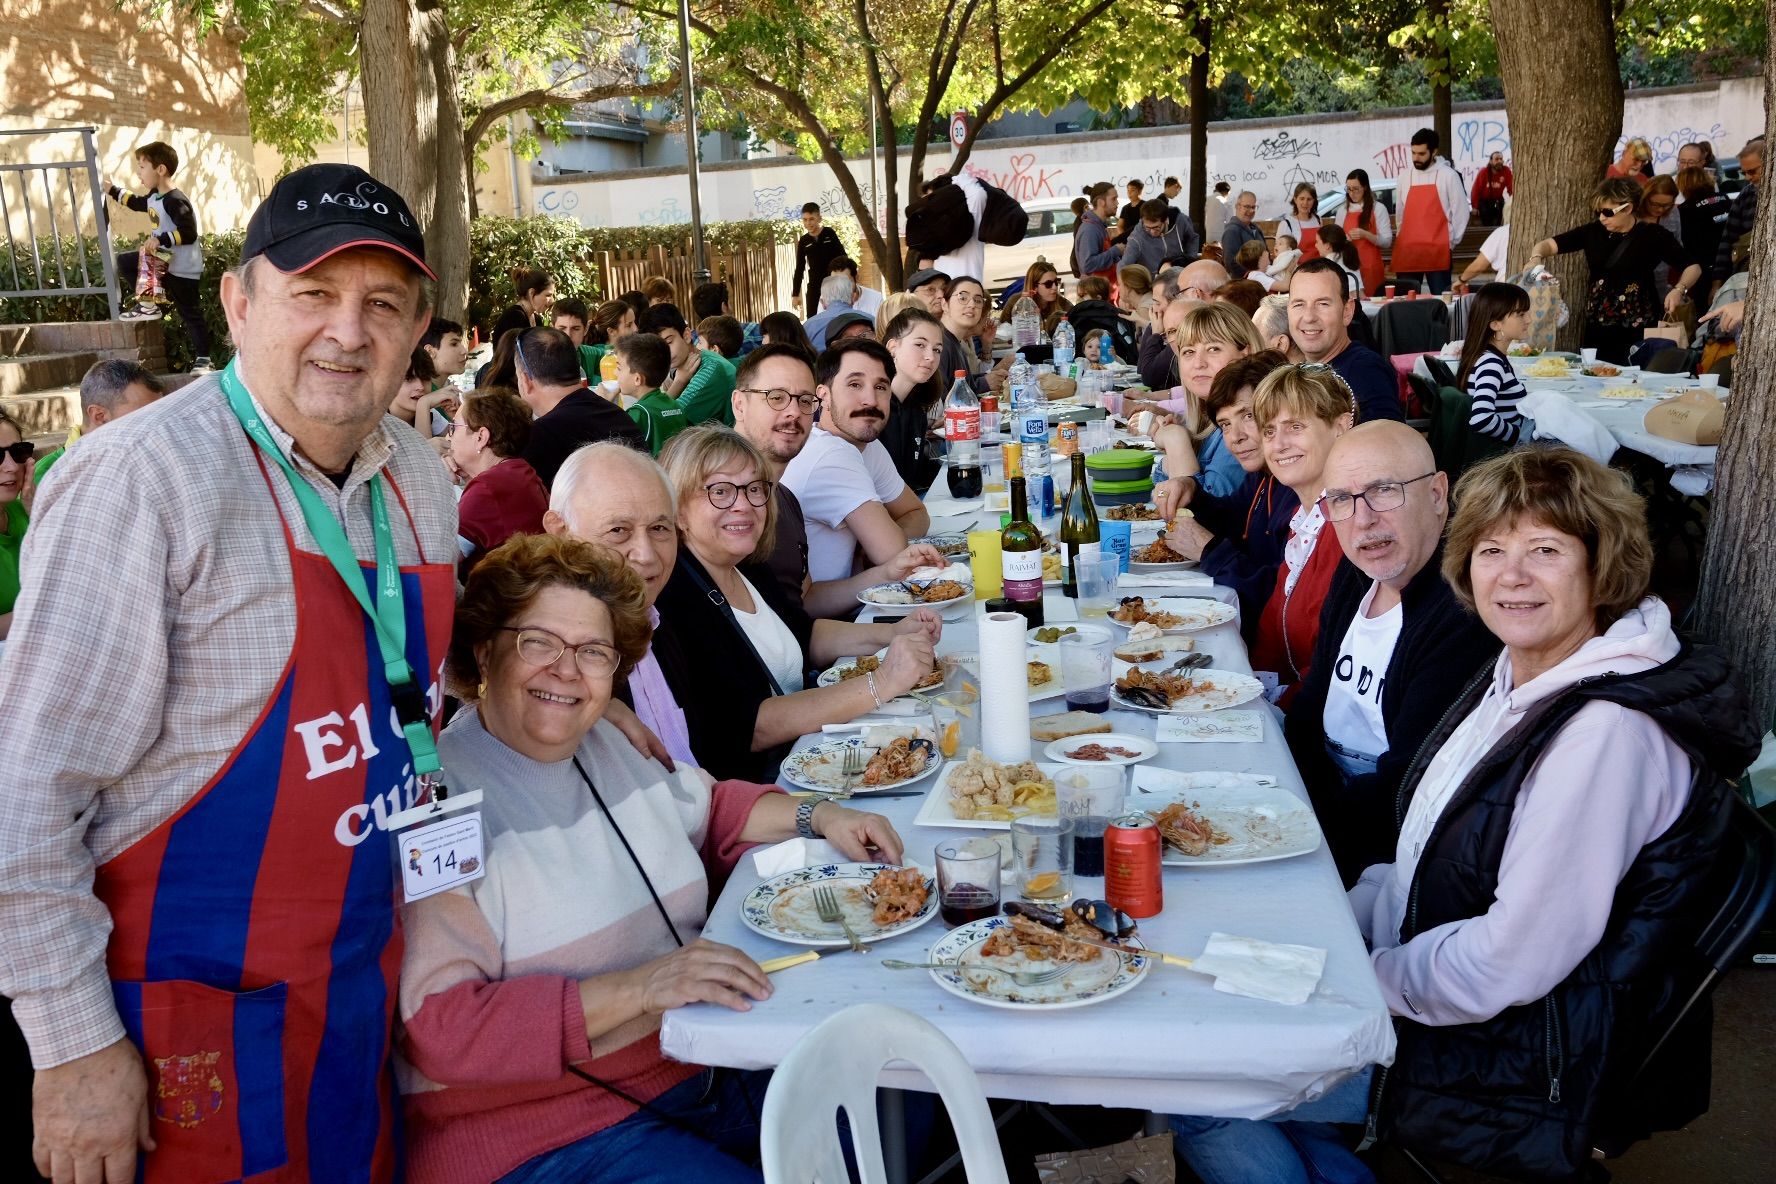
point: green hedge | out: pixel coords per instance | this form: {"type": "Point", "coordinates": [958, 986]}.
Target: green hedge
{"type": "Point", "coordinates": [560, 246]}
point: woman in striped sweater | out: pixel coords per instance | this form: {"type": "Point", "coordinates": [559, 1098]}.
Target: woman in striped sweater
{"type": "Point", "coordinates": [531, 998]}
{"type": "Point", "coordinates": [1499, 316]}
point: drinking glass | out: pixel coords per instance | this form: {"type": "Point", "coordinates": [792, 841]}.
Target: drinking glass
{"type": "Point", "coordinates": [968, 879]}
{"type": "Point", "coordinates": [956, 716]}
{"type": "Point", "coordinates": [1089, 797]}
{"type": "Point", "coordinates": [1042, 859]}
{"type": "Point", "coordinates": [984, 563]}
{"type": "Point", "coordinates": [1096, 576]}
{"type": "Point", "coordinates": [1085, 670]}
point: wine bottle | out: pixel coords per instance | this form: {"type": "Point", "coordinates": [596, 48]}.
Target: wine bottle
{"type": "Point", "coordinates": [1079, 528]}
{"type": "Point", "coordinates": [1020, 544]}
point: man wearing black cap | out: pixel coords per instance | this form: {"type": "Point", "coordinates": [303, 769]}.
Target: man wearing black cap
{"type": "Point", "coordinates": [929, 285]}
{"type": "Point", "coordinates": [220, 689]}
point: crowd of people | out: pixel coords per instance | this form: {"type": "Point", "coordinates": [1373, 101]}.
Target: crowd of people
{"type": "Point", "coordinates": [286, 576]}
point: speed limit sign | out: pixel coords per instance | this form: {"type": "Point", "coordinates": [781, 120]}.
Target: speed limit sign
{"type": "Point", "coordinates": [959, 128]}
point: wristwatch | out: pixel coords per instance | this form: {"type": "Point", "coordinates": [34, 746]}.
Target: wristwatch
{"type": "Point", "coordinates": [805, 819]}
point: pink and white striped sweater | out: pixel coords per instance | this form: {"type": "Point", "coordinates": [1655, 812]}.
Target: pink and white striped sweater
{"type": "Point", "coordinates": [489, 996]}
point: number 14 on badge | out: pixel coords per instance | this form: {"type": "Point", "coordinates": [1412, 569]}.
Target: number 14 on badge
{"type": "Point", "coordinates": [441, 854]}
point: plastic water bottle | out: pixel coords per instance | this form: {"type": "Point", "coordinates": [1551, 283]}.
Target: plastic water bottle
{"type": "Point", "coordinates": [1031, 420]}
{"type": "Point", "coordinates": [1026, 323]}
{"type": "Point", "coordinates": [1063, 347]}
{"type": "Point", "coordinates": [1106, 356]}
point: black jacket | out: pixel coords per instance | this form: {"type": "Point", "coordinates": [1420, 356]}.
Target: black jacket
{"type": "Point", "coordinates": [1529, 1093]}
{"type": "Point", "coordinates": [580, 418]}
{"type": "Point", "coordinates": [814, 255]}
{"type": "Point", "coordinates": [1441, 645]}
{"type": "Point", "coordinates": [1156, 362]}
{"type": "Point", "coordinates": [715, 675]}
{"type": "Point", "coordinates": [907, 437]}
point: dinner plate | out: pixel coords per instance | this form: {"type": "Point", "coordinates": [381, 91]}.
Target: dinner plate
{"type": "Point", "coordinates": [820, 767]}
{"type": "Point", "coordinates": [936, 809]}
{"type": "Point", "coordinates": [1143, 748]}
{"type": "Point", "coordinates": [1105, 977]}
{"type": "Point", "coordinates": [1199, 612]}
{"type": "Point", "coordinates": [1263, 821]}
{"type": "Point", "coordinates": [866, 598]}
{"type": "Point", "coordinates": [835, 674]}
{"type": "Point", "coordinates": [1178, 564]}
{"type": "Point", "coordinates": [783, 906]}
{"type": "Point", "coordinates": [1227, 688]}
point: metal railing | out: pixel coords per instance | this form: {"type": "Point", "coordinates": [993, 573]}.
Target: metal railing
{"type": "Point", "coordinates": [61, 189]}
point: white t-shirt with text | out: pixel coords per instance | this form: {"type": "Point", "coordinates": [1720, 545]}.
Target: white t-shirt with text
{"type": "Point", "coordinates": [1353, 697]}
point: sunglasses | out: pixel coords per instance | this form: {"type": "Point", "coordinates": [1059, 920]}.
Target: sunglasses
{"type": "Point", "coordinates": [1049, 284]}
{"type": "Point", "coordinates": [1614, 211]}
{"type": "Point", "coordinates": [21, 452]}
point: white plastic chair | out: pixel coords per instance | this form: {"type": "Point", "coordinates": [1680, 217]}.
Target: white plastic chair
{"type": "Point", "coordinates": [837, 1065]}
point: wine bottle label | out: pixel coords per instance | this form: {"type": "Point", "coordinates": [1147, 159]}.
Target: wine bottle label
{"type": "Point", "coordinates": [1021, 572]}
{"type": "Point", "coordinates": [962, 425]}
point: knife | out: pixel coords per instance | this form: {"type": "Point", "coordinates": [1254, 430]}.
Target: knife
{"type": "Point", "coordinates": [1169, 959]}
{"type": "Point", "coordinates": [773, 965]}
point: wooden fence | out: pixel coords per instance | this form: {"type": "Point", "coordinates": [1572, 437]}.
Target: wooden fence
{"type": "Point", "coordinates": [749, 272]}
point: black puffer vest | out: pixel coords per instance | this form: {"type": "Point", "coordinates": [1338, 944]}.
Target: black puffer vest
{"type": "Point", "coordinates": [1529, 1093]}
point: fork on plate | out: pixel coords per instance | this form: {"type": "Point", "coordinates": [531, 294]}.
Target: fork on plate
{"type": "Point", "coordinates": [826, 904]}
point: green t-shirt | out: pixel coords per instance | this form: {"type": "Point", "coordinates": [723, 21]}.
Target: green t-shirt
{"type": "Point", "coordinates": [12, 536]}
{"type": "Point", "coordinates": [710, 393]}
{"type": "Point", "coordinates": [659, 419]}
{"type": "Point", "coordinates": [43, 465]}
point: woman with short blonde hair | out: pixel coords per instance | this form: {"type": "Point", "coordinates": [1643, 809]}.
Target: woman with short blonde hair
{"type": "Point", "coordinates": [1560, 839]}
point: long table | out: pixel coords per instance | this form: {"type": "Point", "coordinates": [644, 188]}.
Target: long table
{"type": "Point", "coordinates": [1172, 1045]}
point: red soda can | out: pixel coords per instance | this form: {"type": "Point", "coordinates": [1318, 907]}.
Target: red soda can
{"type": "Point", "coordinates": [1131, 866]}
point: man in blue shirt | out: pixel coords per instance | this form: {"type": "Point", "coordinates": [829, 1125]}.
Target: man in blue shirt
{"type": "Point", "coordinates": [836, 292]}
{"type": "Point", "coordinates": [1320, 311]}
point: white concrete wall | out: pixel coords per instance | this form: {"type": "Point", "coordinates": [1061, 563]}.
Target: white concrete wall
{"type": "Point", "coordinates": [1266, 156]}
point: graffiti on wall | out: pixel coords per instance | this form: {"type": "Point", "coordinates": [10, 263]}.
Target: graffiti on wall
{"type": "Point", "coordinates": [1024, 178]}
{"type": "Point", "coordinates": [667, 213]}
{"type": "Point", "coordinates": [556, 201]}
{"type": "Point", "coordinates": [1283, 146]}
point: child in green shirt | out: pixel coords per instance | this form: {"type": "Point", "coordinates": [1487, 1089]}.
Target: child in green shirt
{"type": "Point", "coordinates": [642, 362]}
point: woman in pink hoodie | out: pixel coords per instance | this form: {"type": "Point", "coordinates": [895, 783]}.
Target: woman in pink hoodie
{"type": "Point", "coordinates": [1556, 831]}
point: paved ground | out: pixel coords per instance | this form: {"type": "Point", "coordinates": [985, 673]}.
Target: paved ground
{"type": "Point", "coordinates": [1734, 1143]}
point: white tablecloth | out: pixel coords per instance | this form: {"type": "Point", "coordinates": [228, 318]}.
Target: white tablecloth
{"type": "Point", "coordinates": [1172, 1045]}
{"type": "Point", "coordinates": [1626, 418]}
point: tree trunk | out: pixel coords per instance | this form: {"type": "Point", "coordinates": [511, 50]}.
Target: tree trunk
{"type": "Point", "coordinates": [1199, 121]}
{"type": "Point", "coordinates": [1442, 115]}
{"type": "Point", "coordinates": [1736, 607]}
{"type": "Point", "coordinates": [1563, 97]}
{"type": "Point", "coordinates": [413, 122]}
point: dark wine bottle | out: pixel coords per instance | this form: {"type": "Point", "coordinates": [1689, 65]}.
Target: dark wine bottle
{"type": "Point", "coordinates": [1020, 544]}
{"type": "Point", "coordinates": [1079, 527]}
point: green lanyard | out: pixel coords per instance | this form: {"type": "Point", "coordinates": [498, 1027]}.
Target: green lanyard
{"type": "Point", "coordinates": [389, 613]}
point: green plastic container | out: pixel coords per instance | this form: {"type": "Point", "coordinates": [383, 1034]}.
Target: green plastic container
{"type": "Point", "coordinates": [1121, 464]}
{"type": "Point", "coordinates": [1120, 493]}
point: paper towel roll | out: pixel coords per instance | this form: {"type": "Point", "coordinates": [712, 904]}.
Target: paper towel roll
{"type": "Point", "coordinates": [1005, 688]}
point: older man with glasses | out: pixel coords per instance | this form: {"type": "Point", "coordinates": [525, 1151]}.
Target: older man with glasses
{"type": "Point", "coordinates": [774, 406]}
{"type": "Point", "coordinates": [1240, 230]}
{"type": "Point", "coordinates": [1395, 647]}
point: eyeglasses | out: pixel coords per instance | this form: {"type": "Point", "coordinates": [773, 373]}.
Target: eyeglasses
{"type": "Point", "coordinates": [1049, 284]}
{"type": "Point", "coordinates": [776, 398]}
{"type": "Point", "coordinates": [1380, 497]}
{"type": "Point", "coordinates": [1614, 211]}
{"type": "Point", "coordinates": [539, 647]}
{"type": "Point", "coordinates": [723, 494]}
{"type": "Point", "coordinates": [20, 452]}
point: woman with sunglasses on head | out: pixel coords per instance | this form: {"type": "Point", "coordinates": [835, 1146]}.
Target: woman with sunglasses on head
{"type": "Point", "coordinates": [531, 998]}
{"type": "Point", "coordinates": [1624, 255]}
{"type": "Point", "coordinates": [733, 647]}
{"type": "Point", "coordinates": [15, 491]}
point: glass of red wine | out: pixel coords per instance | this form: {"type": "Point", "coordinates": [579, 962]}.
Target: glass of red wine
{"type": "Point", "coordinates": [967, 880]}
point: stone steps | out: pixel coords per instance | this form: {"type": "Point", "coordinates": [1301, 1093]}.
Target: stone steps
{"type": "Point", "coordinates": [28, 373]}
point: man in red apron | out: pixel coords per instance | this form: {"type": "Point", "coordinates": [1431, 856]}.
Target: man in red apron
{"type": "Point", "coordinates": [1432, 219]}
{"type": "Point", "coordinates": [221, 684]}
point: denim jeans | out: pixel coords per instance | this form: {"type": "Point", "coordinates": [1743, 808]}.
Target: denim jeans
{"type": "Point", "coordinates": [1292, 1148]}
{"type": "Point", "coordinates": [724, 1105]}
{"type": "Point", "coordinates": [1436, 281]}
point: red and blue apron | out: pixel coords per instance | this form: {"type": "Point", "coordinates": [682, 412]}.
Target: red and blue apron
{"type": "Point", "coordinates": [255, 941]}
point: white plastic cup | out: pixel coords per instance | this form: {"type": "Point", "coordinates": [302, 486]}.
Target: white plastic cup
{"type": "Point", "coordinates": [1708, 381]}
{"type": "Point", "coordinates": [1588, 355]}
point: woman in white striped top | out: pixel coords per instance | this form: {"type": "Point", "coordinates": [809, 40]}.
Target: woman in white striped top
{"type": "Point", "coordinates": [1499, 316]}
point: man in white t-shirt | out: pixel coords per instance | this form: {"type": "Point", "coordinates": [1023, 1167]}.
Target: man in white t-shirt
{"type": "Point", "coordinates": [1395, 647]}
{"type": "Point", "coordinates": [852, 498]}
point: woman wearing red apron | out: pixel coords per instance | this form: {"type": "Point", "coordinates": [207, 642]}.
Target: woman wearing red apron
{"type": "Point", "coordinates": [1302, 222]}
{"type": "Point", "coordinates": [1369, 225]}
{"type": "Point", "coordinates": [254, 950]}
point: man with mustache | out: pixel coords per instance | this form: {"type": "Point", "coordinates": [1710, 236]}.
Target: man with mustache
{"type": "Point", "coordinates": [774, 403]}
{"type": "Point", "coordinates": [854, 501]}
{"type": "Point", "coordinates": [1395, 647]}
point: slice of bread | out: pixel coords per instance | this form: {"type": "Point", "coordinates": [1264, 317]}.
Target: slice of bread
{"type": "Point", "coordinates": [1048, 728]}
{"type": "Point", "coordinates": [1152, 649]}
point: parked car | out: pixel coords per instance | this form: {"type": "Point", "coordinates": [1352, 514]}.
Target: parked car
{"type": "Point", "coordinates": [1050, 236]}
